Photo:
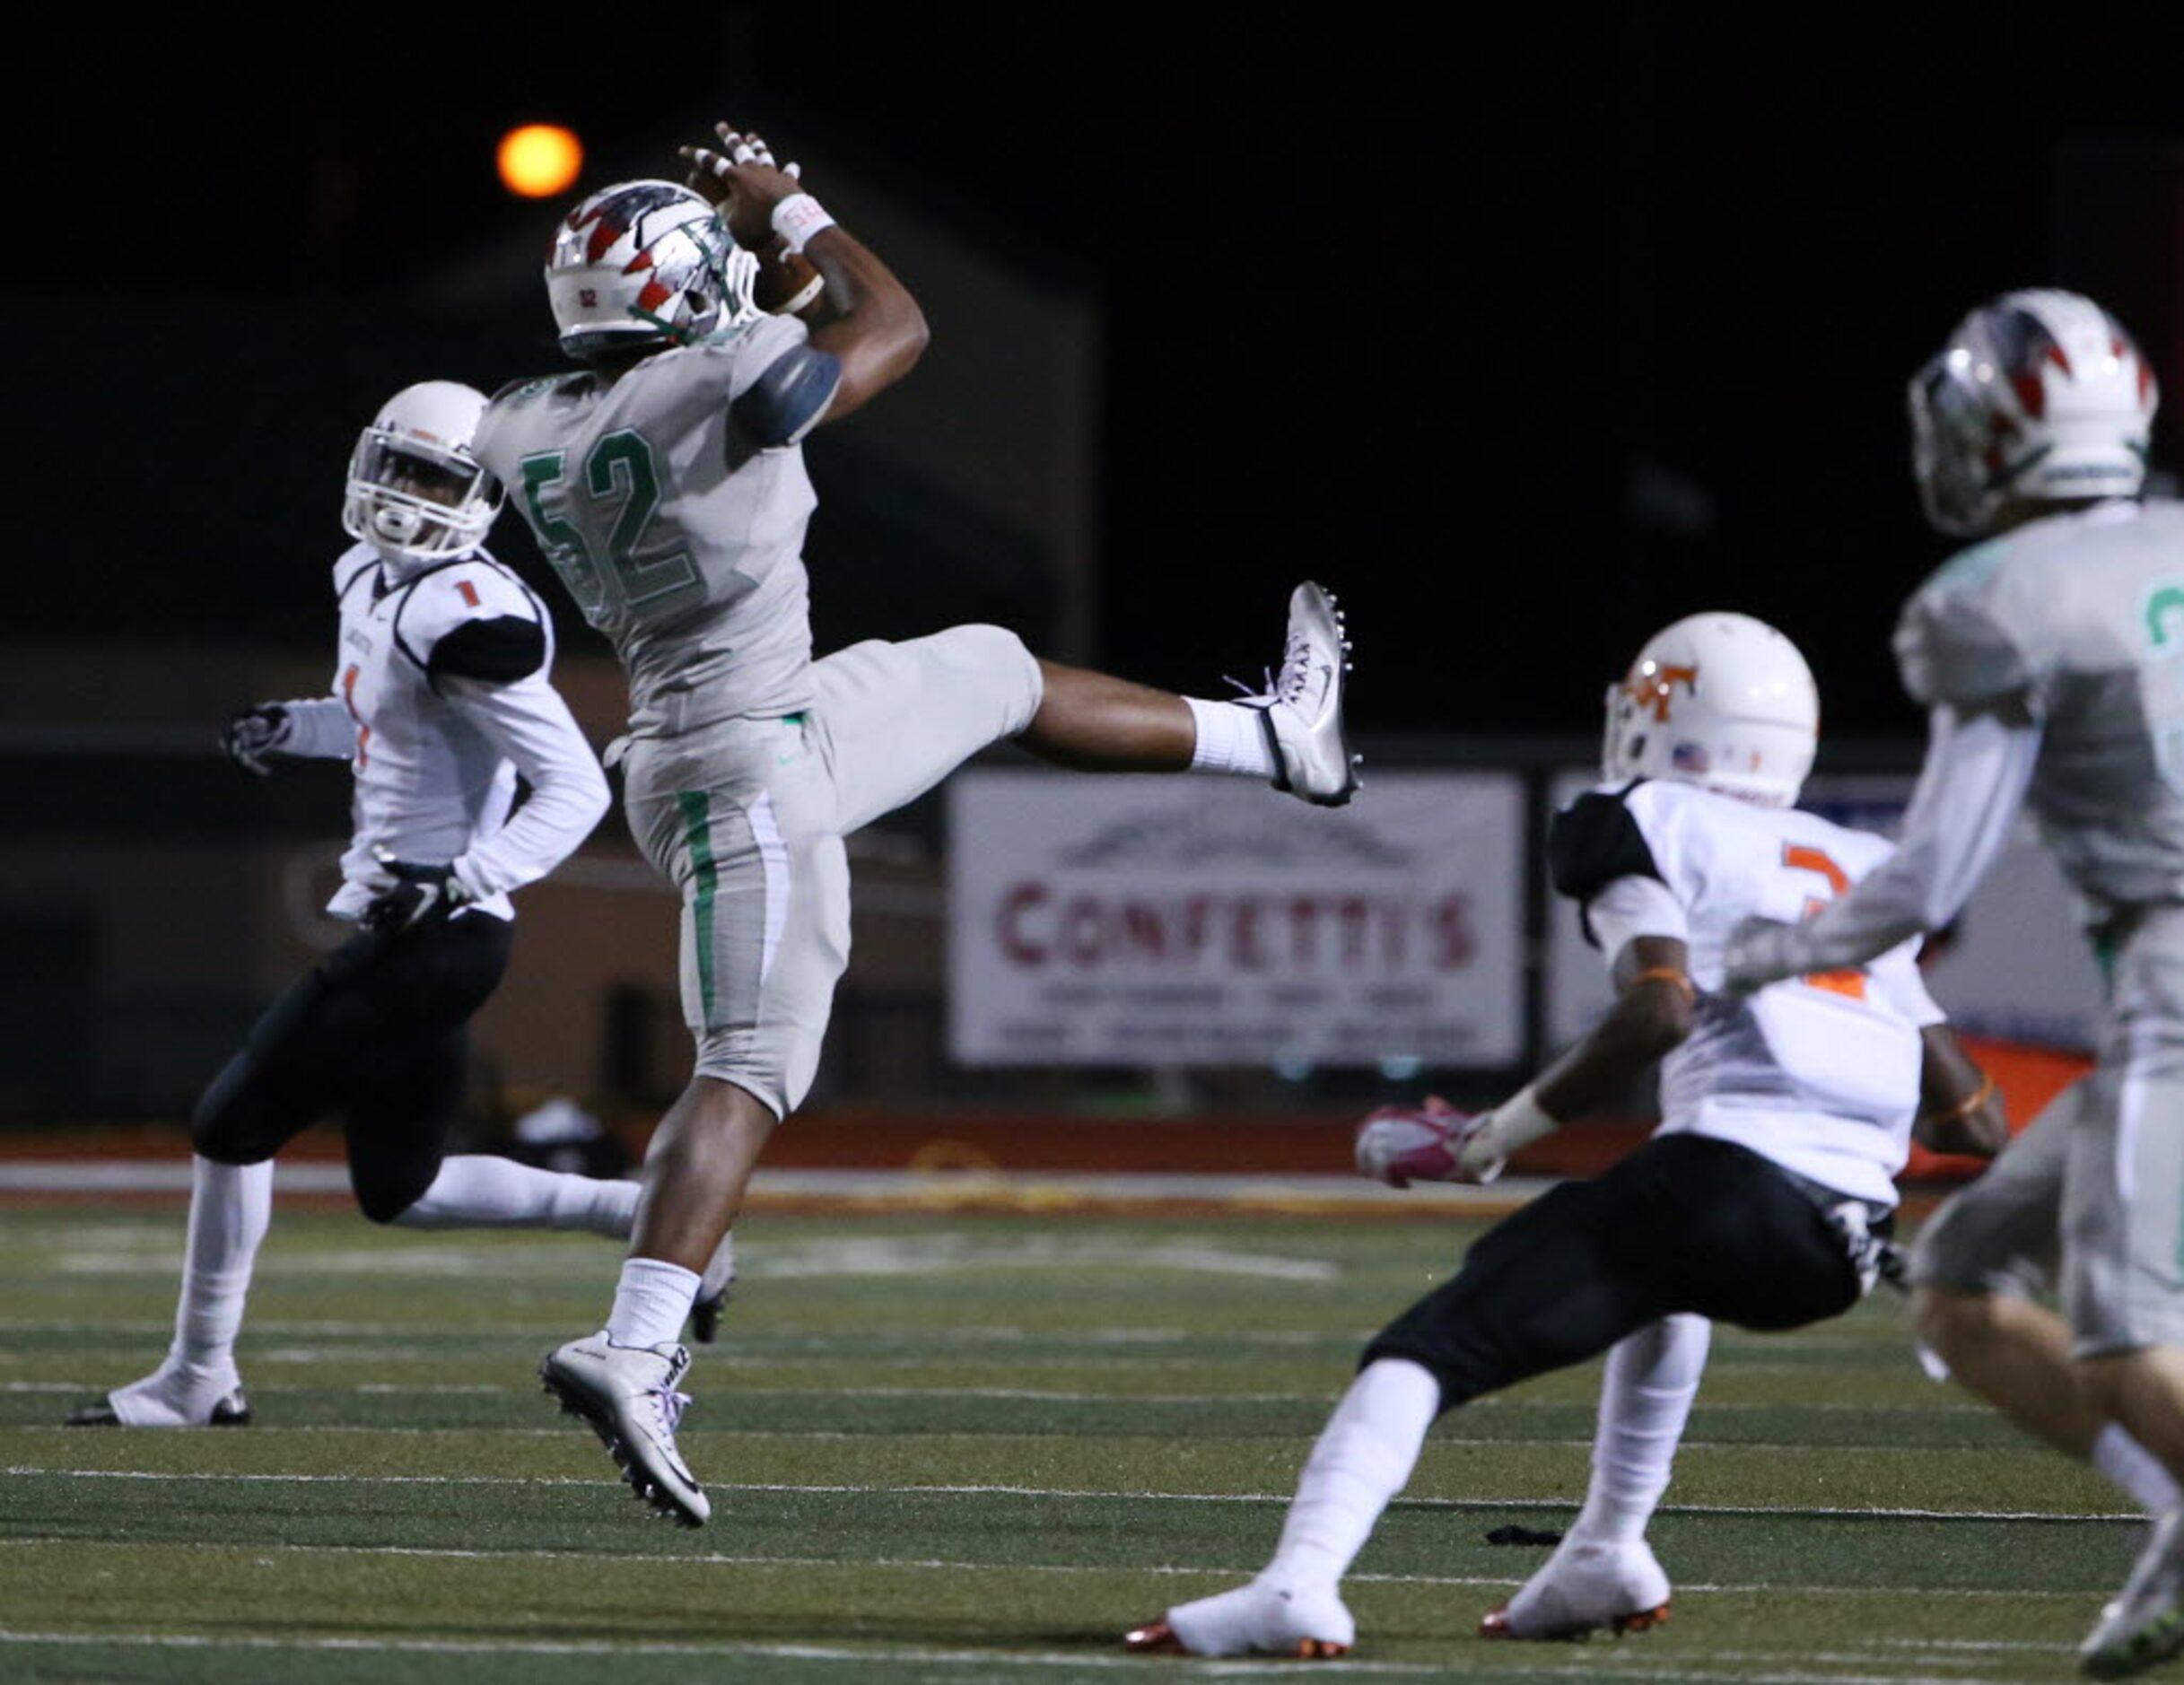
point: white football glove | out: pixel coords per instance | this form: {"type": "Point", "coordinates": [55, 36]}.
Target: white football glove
{"type": "Point", "coordinates": [1435, 1142]}
{"type": "Point", "coordinates": [251, 734]}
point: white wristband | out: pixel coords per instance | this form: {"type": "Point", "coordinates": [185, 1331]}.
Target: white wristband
{"type": "Point", "coordinates": [1515, 1123]}
{"type": "Point", "coordinates": [799, 217]}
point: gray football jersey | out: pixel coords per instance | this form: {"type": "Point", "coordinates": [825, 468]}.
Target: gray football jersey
{"type": "Point", "coordinates": [678, 535]}
{"type": "Point", "coordinates": [2080, 615]}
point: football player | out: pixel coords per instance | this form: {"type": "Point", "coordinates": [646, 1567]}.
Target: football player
{"type": "Point", "coordinates": [441, 699]}
{"type": "Point", "coordinates": [1764, 1199]}
{"type": "Point", "coordinates": [2051, 656]}
{"type": "Point", "coordinates": [667, 482]}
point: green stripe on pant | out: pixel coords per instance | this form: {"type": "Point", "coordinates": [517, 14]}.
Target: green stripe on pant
{"type": "Point", "coordinates": [698, 822]}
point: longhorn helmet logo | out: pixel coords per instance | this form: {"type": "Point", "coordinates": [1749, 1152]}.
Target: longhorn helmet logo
{"type": "Point", "coordinates": [1652, 686]}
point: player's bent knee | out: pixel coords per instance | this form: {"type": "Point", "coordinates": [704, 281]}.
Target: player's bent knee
{"type": "Point", "coordinates": [1002, 657]}
{"type": "Point", "coordinates": [383, 1194]}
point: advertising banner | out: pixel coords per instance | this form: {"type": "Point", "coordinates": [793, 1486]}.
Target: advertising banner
{"type": "Point", "coordinates": [1148, 922]}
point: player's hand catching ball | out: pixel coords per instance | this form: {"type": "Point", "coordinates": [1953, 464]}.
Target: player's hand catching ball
{"type": "Point", "coordinates": [740, 176]}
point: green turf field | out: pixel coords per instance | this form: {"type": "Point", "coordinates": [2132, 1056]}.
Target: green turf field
{"type": "Point", "coordinates": [948, 1448]}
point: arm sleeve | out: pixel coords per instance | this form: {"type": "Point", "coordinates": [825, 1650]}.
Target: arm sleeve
{"type": "Point", "coordinates": [790, 396]}
{"type": "Point", "coordinates": [528, 722]}
{"type": "Point", "coordinates": [1631, 907]}
{"type": "Point", "coordinates": [1969, 795]}
{"type": "Point", "coordinates": [319, 728]}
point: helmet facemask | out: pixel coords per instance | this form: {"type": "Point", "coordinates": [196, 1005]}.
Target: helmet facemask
{"type": "Point", "coordinates": [418, 499]}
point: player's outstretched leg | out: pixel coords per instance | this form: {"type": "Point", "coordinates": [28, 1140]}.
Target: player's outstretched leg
{"type": "Point", "coordinates": [1603, 1575]}
{"type": "Point", "coordinates": [1295, 1607]}
{"type": "Point", "coordinates": [198, 1385]}
{"type": "Point", "coordinates": [1292, 734]}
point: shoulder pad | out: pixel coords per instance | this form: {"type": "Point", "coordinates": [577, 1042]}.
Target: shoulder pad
{"type": "Point", "coordinates": [471, 619]}
{"type": "Point", "coordinates": [1593, 841]}
{"type": "Point", "coordinates": [1953, 641]}
{"type": "Point", "coordinates": [356, 560]}
{"type": "Point", "coordinates": [789, 395]}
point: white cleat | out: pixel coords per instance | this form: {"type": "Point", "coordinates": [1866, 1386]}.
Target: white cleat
{"type": "Point", "coordinates": [713, 1292]}
{"type": "Point", "coordinates": [628, 1394]}
{"type": "Point", "coordinates": [2145, 1625]}
{"type": "Point", "coordinates": [148, 1403]}
{"type": "Point", "coordinates": [1261, 1619]}
{"type": "Point", "coordinates": [1302, 709]}
{"type": "Point", "coordinates": [1586, 1588]}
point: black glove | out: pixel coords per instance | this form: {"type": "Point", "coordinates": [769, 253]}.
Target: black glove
{"type": "Point", "coordinates": [251, 734]}
{"type": "Point", "coordinates": [422, 894]}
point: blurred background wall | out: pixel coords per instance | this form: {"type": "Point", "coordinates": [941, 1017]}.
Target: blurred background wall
{"type": "Point", "coordinates": [1527, 348]}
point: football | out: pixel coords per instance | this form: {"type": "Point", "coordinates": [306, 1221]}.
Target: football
{"type": "Point", "coordinates": [786, 283]}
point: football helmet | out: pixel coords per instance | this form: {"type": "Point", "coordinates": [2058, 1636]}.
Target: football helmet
{"type": "Point", "coordinates": [1719, 700]}
{"type": "Point", "coordinates": [416, 492]}
{"type": "Point", "coordinates": [646, 263]}
{"type": "Point", "coordinates": [2038, 394]}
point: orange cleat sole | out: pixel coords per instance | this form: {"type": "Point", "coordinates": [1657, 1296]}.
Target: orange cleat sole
{"type": "Point", "coordinates": [1157, 1638]}
{"type": "Point", "coordinates": [1496, 1625]}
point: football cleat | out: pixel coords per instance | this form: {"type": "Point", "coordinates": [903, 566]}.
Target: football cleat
{"type": "Point", "coordinates": [627, 1395]}
{"type": "Point", "coordinates": [1260, 1619]}
{"type": "Point", "coordinates": [2143, 1626]}
{"type": "Point", "coordinates": [1400, 1145]}
{"type": "Point", "coordinates": [1301, 710]}
{"type": "Point", "coordinates": [713, 1292]}
{"type": "Point", "coordinates": [230, 1409]}
{"type": "Point", "coordinates": [1584, 1588]}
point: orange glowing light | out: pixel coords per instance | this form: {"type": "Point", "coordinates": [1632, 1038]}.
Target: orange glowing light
{"type": "Point", "coordinates": [539, 160]}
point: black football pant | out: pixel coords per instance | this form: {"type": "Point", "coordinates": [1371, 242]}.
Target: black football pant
{"type": "Point", "coordinates": [375, 1032]}
{"type": "Point", "coordinates": [1685, 1223]}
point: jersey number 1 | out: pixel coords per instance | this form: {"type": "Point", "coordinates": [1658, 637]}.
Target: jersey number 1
{"type": "Point", "coordinates": [1798, 857]}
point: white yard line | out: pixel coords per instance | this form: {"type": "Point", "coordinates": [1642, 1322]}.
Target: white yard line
{"type": "Point", "coordinates": [874, 1490]}
{"type": "Point", "coordinates": [1157, 1571]}
{"type": "Point", "coordinates": [996, 1658]}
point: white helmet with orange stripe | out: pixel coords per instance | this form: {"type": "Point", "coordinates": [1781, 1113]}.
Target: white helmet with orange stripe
{"type": "Point", "coordinates": [2039, 396]}
{"type": "Point", "coordinates": [1719, 700]}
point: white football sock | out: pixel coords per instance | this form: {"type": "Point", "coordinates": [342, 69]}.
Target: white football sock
{"type": "Point", "coordinates": [651, 1303]}
{"type": "Point", "coordinates": [230, 1207]}
{"type": "Point", "coordinates": [1645, 1399]}
{"type": "Point", "coordinates": [482, 1191]}
{"type": "Point", "coordinates": [1231, 738]}
{"type": "Point", "coordinates": [1363, 1457]}
{"type": "Point", "coordinates": [2133, 1468]}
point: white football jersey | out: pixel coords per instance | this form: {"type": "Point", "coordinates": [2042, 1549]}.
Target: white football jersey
{"type": "Point", "coordinates": [2080, 617]}
{"type": "Point", "coordinates": [428, 704]}
{"type": "Point", "coordinates": [677, 528]}
{"type": "Point", "coordinates": [1818, 1074]}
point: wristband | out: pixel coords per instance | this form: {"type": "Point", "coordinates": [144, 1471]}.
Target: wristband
{"type": "Point", "coordinates": [799, 217]}
{"type": "Point", "coordinates": [1964, 1108]}
{"type": "Point", "coordinates": [1667, 974]}
{"type": "Point", "coordinates": [1517, 1122]}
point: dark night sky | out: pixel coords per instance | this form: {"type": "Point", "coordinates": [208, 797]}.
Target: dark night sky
{"type": "Point", "coordinates": [1406, 306]}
